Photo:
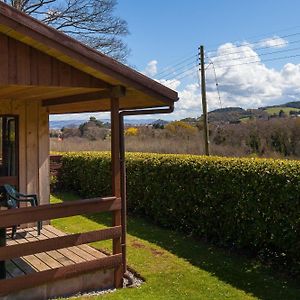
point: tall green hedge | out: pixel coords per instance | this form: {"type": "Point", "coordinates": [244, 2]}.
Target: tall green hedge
{"type": "Point", "coordinates": [249, 204]}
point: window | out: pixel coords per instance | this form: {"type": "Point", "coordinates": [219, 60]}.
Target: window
{"type": "Point", "coordinates": [8, 146]}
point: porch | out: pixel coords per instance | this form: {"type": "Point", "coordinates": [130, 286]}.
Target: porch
{"type": "Point", "coordinates": [45, 72]}
{"type": "Point", "coordinates": [55, 264]}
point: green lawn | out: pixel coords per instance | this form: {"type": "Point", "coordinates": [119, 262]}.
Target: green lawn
{"type": "Point", "coordinates": [176, 266]}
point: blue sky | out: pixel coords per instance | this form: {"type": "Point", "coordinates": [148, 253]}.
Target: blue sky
{"type": "Point", "coordinates": [166, 32]}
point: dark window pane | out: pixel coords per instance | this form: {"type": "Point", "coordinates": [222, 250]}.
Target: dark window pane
{"type": "Point", "coordinates": [8, 146]}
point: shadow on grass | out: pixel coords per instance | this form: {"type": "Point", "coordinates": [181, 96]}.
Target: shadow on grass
{"type": "Point", "coordinates": [236, 270]}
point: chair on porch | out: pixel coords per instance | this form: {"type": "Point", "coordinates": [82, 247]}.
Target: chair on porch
{"type": "Point", "coordinates": [13, 200]}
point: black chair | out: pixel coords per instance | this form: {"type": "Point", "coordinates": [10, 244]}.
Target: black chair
{"type": "Point", "coordinates": [13, 200]}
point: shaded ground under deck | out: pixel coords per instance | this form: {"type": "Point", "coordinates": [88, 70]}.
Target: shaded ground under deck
{"type": "Point", "coordinates": [55, 259]}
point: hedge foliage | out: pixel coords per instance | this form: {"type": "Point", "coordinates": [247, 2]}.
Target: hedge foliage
{"type": "Point", "coordinates": [250, 204]}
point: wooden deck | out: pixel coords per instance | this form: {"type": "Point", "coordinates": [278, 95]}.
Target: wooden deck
{"type": "Point", "coordinates": [52, 260]}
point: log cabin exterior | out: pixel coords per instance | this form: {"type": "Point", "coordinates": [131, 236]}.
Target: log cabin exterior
{"type": "Point", "coordinates": [42, 72]}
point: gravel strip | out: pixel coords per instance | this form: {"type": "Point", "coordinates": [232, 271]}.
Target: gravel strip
{"type": "Point", "coordinates": [136, 282]}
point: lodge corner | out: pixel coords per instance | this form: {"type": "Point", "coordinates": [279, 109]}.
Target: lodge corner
{"type": "Point", "coordinates": [45, 72]}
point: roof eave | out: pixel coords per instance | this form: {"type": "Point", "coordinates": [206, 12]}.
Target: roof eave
{"type": "Point", "coordinates": [41, 33]}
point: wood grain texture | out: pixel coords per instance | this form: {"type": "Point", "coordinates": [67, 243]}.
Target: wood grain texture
{"type": "Point", "coordinates": [32, 147]}
{"type": "Point", "coordinates": [45, 277]}
{"type": "Point", "coordinates": [43, 155]}
{"type": "Point", "coordinates": [59, 210]}
{"type": "Point", "coordinates": [34, 246]}
{"type": "Point", "coordinates": [116, 181]}
{"type": "Point", "coordinates": [25, 65]}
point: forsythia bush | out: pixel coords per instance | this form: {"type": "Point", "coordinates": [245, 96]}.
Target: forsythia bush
{"type": "Point", "coordinates": [177, 127]}
{"type": "Point", "coordinates": [249, 204]}
{"type": "Point", "coordinates": [132, 131]}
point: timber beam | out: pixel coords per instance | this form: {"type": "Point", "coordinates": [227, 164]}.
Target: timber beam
{"type": "Point", "coordinates": [115, 92]}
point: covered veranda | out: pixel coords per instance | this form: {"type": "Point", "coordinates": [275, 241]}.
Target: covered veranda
{"type": "Point", "coordinates": [46, 72]}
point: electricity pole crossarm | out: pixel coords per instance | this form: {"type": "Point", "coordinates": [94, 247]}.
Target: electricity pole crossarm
{"type": "Point", "coordinates": [204, 102]}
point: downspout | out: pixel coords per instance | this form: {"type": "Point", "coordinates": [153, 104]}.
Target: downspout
{"type": "Point", "coordinates": [123, 113]}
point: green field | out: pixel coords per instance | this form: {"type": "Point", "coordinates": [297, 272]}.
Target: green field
{"type": "Point", "coordinates": [244, 119]}
{"type": "Point", "coordinates": [276, 110]}
{"type": "Point", "coordinates": [176, 266]}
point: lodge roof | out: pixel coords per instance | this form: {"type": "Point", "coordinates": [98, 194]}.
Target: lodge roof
{"type": "Point", "coordinates": [141, 90]}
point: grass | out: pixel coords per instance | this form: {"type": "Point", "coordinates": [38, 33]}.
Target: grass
{"type": "Point", "coordinates": [176, 266]}
{"type": "Point", "coordinates": [244, 119]}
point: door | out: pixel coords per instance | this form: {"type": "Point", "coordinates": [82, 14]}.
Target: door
{"type": "Point", "coordinates": [9, 167]}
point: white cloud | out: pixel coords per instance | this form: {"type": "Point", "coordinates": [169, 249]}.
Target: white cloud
{"type": "Point", "coordinates": [250, 85]}
{"type": "Point", "coordinates": [151, 68]}
{"type": "Point", "coordinates": [275, 41]}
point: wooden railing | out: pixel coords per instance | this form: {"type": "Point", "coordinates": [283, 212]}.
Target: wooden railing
{"type": "Point", "coordinates": [11, 217]}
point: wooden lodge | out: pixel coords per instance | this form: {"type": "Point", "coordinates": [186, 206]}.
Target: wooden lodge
{"type": "Point", "coordinates": [42, 72]}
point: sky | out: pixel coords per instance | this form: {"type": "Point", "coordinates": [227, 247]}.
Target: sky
{"type": "Point", "coordinates": [254, 47]}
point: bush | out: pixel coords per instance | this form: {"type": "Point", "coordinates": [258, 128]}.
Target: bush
{"type": "Point", "coordinates": [132, 131]}
{"type": "Point", "coordinates": [181, 128]}
{"type": "Point", "coordinates": [249, 204]}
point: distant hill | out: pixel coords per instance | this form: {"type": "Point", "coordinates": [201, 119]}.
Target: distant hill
{"type": "Point", "coordinates": [235, 114]}
{"type": "Point", "coordinates": [294, 104]}
{"type": "Point", "coordinates": [238, 114]}
{"type": "Point", "coordinates": [58, 124]}
{"type": "Point", "coordinates": [287, 108]}
{"type": "Point", "coordinates": [65, 123]}
{"type": "Point", "coordinates": [160, 122]}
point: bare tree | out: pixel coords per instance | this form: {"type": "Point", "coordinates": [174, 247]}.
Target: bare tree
{"type": "Point", "coordinates": [91, 21]}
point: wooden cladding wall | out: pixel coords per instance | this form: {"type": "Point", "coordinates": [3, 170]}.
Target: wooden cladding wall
{"type": "Point", "coordinates": [33, 145]}
{"type": "Point", "coordinates": [26, 66]}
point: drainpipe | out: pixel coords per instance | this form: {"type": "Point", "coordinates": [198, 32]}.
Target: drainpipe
{"type": "Point", "coordinates": [123, 113]}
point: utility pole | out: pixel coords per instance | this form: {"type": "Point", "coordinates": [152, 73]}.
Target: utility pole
{"type": "Point", "coordinates": [204, 102]}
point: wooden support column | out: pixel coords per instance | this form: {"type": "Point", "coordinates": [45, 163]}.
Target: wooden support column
{"type": "Point", "coordinates": [116, 181]}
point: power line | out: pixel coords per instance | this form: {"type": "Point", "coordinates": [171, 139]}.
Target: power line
{"type": "Point", "coordinates": [178, 59]}
{"type": "Point", "coordinates": [173, 72]}
{"type": "Point", "coordinates": [175, 65]}
{"type": "Point", "coordinates": [184, 73]}
{"type": "Point", "coordinates": [167, 74]}
{"type": "Point", "coordinates": [217, 84]}
{"type": "Point", "coordinates": [178, 76]}
{"type": "Point", "coordinates": [179, 62]}
{"type": "Point", "coordinates": [189, 74]}
{"type": "Point", "coordinates": [259, 61]}
{"type": "Point", "coordinates": [256, 49]}
{"type": "Point", "coordinates": [262, 54]}
{"type": "Point", "coordinates": [266, 34]}
{"type": "Point", "coordinates": [259, 42]}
